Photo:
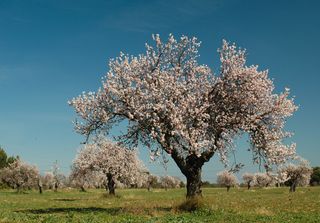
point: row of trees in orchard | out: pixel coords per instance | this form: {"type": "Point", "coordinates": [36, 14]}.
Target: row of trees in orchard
{"type": "Point", "coordinates": [21, 175]}
{"type": "Point", "coordinates": [103, 164]}
{"type": "Point", "coordinates": [115, 165]}
{"type": "Point", "coordinates": [106, 164]}
{"type": "Point", "coordinates": [172, 104]}
{"type": "Point", "coordinates": [289, 175]}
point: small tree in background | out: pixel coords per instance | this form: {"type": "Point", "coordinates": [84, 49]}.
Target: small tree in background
{"type": "Point", "coordinates": [315, 176]}
{"type": "Point", "coordinates": [115, 161]}
{"type": "Point", "coordinates": [152, 181]}
{"type": "Point", "coordinates": [297, 175]}
{"type": "Point", "coordinates": [227, 179]}
{"type": "Point", "coordinates": [20, 175]}
{"type": "Point", "coordinates": [4, 159]}
{"type": "Point", "coordinates": [48, 180]}
{"type": "Point", "coordinates": [170, 182]}
{"type": "Point", "coordinates": [57, 176]}
{"type": "Point", "coordinates": [263, 179]}
{"type": "Point", "coordinates": [249, 179]}
{"type": "Point", "coordinates": [83, 178]}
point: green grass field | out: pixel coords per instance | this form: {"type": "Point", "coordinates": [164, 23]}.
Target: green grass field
{"type": "Point", "coordinates": [139, 205]}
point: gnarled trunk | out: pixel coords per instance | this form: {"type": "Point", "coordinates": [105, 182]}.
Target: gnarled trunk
{"type": "Point", "coordinates": [194, 182]}
{"type": "Point", "coordinates": [111, 184]}
{"type": "Point", "coordinates": [191, 168]}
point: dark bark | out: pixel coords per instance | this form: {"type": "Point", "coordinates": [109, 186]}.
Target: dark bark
{"type": "Point", "coordinates": [228, 188]}
{"type": "Point", "coordinates": [194, 183]}
{"type": "Point", "coordinates": [293, 187]}
{"type": "Point", "coordinates": [18, 188]}
{"type": "Point", "coordinates": [82, 189]}
{"type": "Point", "coordinates": [111, 184]}
{"type": "Point", "coordinates": [249, 186]}
{"type": "Point", "coordinates": [106, 187]}
{"type": "Point", "coordinates": [56, 185]}
{"type": "Point", "coordinates": [192, 171]}
{"type": "Point", "coordinates": [40, 188]}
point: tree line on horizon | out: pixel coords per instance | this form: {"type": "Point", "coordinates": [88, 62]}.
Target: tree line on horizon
{"type": "Point", "coordinates": [15, 173]}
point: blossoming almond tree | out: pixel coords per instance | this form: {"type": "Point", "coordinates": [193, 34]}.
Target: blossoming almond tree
{"type": "Point", "coordinates": [170, 182]}
{"type": "Point", "coordinates": [83, 178]}
{"type": "Point", "coordinates": [21, 175]}
{"type": "Point", "coordinates": [297, 175]}
{"type": "Point", "coordinates": [227, 179]}
{"type": "Point", "coordinates": [249, 179]}
{"type": "Point", "coordinates": [263, 179]}
{"type": "Point", "coordinates": [115, 161]}
{"type": "Point", "coordinates": [173, 104]}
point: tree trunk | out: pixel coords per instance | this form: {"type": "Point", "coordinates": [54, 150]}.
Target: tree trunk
{"type": "Point", "coordinates": [82, 189]}
{"type": "Point", "coordinates": [111, 184]}
{"type": "Point", "coordinates": [56, 185]}
{"type": "Point", "coordinates": [40, 186]}
{"type": "Point", "coordinates": [228, 188]}
{"type": "Point", "coordinates": [194, 182]}
{"type": "Point", "coordinates": [293, 187]}
{"type": "Point", "coordinates": [249, 186]}
{"type": "Point", "coordinates": [18, 188]}
{"type": "Point", "coordinates": [191, 167]}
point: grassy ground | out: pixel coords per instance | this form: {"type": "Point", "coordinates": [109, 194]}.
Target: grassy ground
{"type": "Point", "coordinates": [138, 205]}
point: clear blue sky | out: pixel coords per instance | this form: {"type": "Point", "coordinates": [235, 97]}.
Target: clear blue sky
{"type": "Point", "coordinates": [51, 51]}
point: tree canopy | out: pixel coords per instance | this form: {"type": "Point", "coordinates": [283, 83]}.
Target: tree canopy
{"type": "Point", "coordinates": [175, 105]}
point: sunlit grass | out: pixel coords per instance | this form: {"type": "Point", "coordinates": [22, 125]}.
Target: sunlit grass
{"type": "Point", "coordinates": [139, 205]}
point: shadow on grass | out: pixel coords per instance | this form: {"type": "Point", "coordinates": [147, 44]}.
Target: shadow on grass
{"type": "Point", "coordinates": [111, 211]}
{"type": "Point", "coordinates": [65, 199]}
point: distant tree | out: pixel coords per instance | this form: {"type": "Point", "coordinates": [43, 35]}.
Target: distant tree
{"type": "Point", "coordinates": [20, 175]}
{"type": "Point", "coordinates": [56, 175]}
{"type": "Point", "coordinates": [263, 179]}
{"type": "Point", "coordinates": [83, 178]}
{"type": "Point", "coordinates": [297, 175]}
{"type": "Point", "coordinates": [170, 182]}
{"type": "Point", "coordinates": [249, 179]}
{"type": "Point", "coordinates": [227, 179]}
{"type": "Point", "coordinates": [115, 161]}
{"type": "Point", "coordinates": [152, 181]}
{"type": "Point", "coordinates": [12, 159]}
{"type": "Point", "coordinates": [315, 176]}
{"type": "Point", "coordinates": [48, 180]}
{"type": "Point", "coordinates": [3, 158]}
{"type": "Point", "coordinates": [174, 104]}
